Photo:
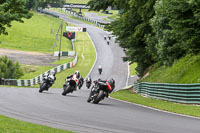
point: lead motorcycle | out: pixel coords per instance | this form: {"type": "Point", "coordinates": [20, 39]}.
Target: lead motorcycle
{"type": "Point", "coordinates": [99, 92]}
{"type": "Point", "coordinates": [47, 83]}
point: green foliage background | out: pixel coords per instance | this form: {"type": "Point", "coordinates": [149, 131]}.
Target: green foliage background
{"type": "Point", "coordinates": [8, 69]}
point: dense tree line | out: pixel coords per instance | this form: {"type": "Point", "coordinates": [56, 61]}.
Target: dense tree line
{"type": "Point", "coordinates": [155, 31]}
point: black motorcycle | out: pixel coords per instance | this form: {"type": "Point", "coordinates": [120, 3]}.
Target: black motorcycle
{"type": "Point", "coordinates": [88, 82]}
{"type": "Point", "coordinates": [46, 84]}
{"type": "Point", "coordinates": [69, 86]}
{"type": "Point", "coordinates": [97, 93]}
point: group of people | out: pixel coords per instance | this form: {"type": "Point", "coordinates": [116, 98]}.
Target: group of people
{"type": "Point", "coordinates": [106, 84]}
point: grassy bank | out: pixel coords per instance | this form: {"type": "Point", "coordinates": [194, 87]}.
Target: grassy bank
{"type": "Point", "coordinates": [31, 71]}
{"type": "Point", "coordinates": [129, 96]}
{"type": "Point", "coordinates": [185, 70]}
{"type": "Point", "coordinates": [35, 34]}
{"type": "Point", "coordinates": [10, 125]}
{"type": "Point", "coordinates": [132, 68]}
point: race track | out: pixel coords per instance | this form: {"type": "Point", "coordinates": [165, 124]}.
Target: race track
{"type": "Point", "coordinates": [72, 112]}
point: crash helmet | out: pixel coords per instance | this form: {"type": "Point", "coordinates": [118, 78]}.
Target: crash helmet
{"type": "Point", "coordinates": [111, 81]}
{"type": "Point", "coordinates": [77, 74]}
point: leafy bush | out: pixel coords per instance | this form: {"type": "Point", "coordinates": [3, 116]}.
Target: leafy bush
{"type": "Point", "coordinates": [8, 69]}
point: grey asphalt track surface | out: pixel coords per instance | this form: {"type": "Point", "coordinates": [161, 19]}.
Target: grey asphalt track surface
{"type": "Point", "coordinates": [94, 16]}
{"type": "Point", "coordinates": [73, 113]}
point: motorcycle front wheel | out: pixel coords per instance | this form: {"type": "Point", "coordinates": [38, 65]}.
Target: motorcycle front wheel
{"type": "Point", "coordinates": [43, 87]}
{"type": "Point", "coordinates": [66, 90]}
{"type": "Point", "coordinates": [99, 97]}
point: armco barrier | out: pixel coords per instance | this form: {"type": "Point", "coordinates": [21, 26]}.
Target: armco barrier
{"type": "Point", "coordinates": [181, 93]}
{"type": "Point", "coordinates": [38, 79]}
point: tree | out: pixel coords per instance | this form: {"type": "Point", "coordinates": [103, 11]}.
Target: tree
{"type": "Point", "coordinates": [12, 10]}
{"type": "Point", "coordinates": [175, 30]}
{"type": "Point", "coordinates": [8, 69]}
{"type": "Point", "coordinates": [31, 4]}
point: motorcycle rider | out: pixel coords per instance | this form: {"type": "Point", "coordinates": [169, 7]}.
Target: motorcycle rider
{"type": "Point", "coordinates": [109, 85]}
{"type": "Point", "coordinates": [88, 82]}
{"type": "Point", "coordinates": [77, 78]}
{"type": "Point", "coordinates": [52, 75]}
{"type": "Point", "coordinates": [100, 69]}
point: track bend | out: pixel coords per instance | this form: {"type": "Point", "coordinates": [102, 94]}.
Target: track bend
{"type": "Point", "coordinates": [72, 112]}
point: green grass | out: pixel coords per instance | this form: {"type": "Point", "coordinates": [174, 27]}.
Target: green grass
{"type": "Point", "coordinates": [77, 1]}
{"type": "Point", "coordinates": [185, 70]}
{"type": "Point", "coordinates": [10, 125]}
{"type": "Point", "coordinates": [63, 60]}
{"type": "Point", "coordinates": [132, 68]}
{"type": "Point", "coordinates": [126, 95]}
{"type": "Point", "coordinates": [35, 34]}
{"type": "Point", "coordinates": [31, 71]}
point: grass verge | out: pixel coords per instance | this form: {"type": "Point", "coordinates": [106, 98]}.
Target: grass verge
{"type": "Point", "coordinates": [185, 70]}
{"type": "Point", "coordinates": [10, 125]}
{"type": "Point", "coordinates": [36, 34]}
{"type": "Point", "coordinates": [127, 95]}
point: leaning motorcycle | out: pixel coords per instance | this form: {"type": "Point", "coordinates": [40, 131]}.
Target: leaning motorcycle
{"type": "Point", "coordinates": [97, 93]}
{"type": "Point", "coordinates": [46, 84]}
{"type": "Point", "coordinates": [88, 82]}
{"type": "Point", "coordinates": [69, 86]}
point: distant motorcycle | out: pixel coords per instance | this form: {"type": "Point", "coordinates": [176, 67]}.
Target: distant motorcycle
{"type": "Point", "coordinates": [97, 93]}
{"type": "Point", "coordinates": [47, 83]}
{"type": "Point", "coordinates": [88, 82]}
{"type": "Point", "coordinates": [100, 70]}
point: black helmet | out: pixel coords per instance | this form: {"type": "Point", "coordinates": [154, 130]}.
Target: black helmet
{"type": "Point", "coordinates": [77, 74]}
{"type": "Point", "coordinates": [111, 81]}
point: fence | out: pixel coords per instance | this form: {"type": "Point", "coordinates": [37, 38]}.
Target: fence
{"type": "Point", "coordinates": [181, 93]}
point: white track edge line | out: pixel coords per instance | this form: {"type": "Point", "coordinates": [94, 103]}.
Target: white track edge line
{"type": "Point", "coordinates": [156, 109]}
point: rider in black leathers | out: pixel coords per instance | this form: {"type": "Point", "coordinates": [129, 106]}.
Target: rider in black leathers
{"type": "Point", "coordinates": [107, 85]}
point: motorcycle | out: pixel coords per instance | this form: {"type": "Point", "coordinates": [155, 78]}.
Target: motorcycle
{"type": "Point", "coordinates": [100, 70]}
{"type": "Point", "coordinates": [46, 84]}
{"type": "Point", "coordinates": [97, 93]}
{"type": "Point", "coordinates": [81, 81]}
{"type": "Point", "coordinates": [69, 86]}
{"type": "Point", "coordinates": [88, 82]}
